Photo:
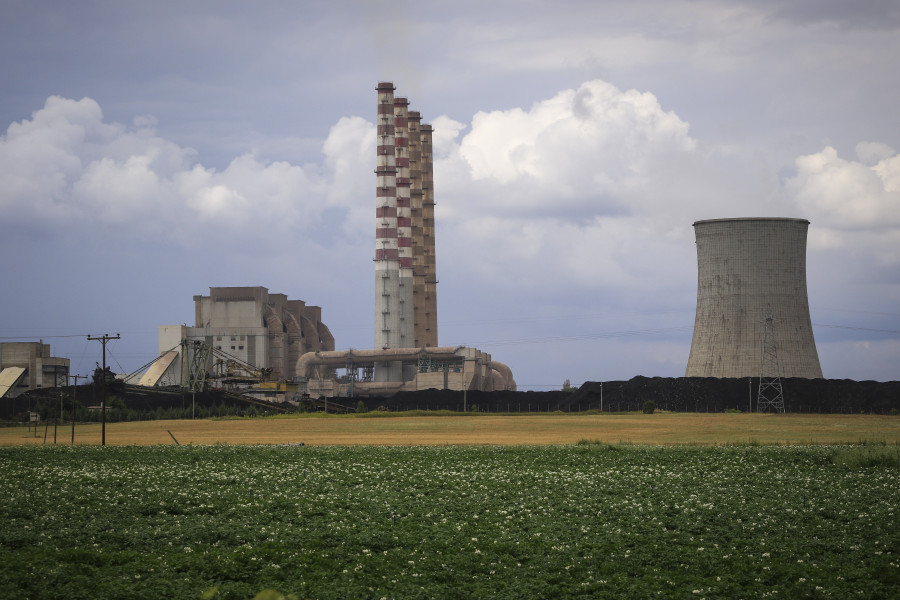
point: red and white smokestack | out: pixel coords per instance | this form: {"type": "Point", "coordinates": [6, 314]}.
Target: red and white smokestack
{"type": "Point", "coordinates": [404, 221]}
{"type": "Point", "coordinates": [393, 294]}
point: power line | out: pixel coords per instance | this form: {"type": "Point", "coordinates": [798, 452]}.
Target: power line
{"type": "Point", "coordinates": [856, 328]}
{"type": "Point", "coordinates": [591, 336]}
{"type": "Point", "coordinates": [43, 337]}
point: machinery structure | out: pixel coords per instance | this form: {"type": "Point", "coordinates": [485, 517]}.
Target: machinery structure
{"type": "Point", "coordinates": [438, 367]}
{"type": "Point", "coordinates": [750, 270]}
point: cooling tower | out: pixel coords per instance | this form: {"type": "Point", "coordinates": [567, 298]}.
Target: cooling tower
{"type": "Point", "coordinates": [748, 269]}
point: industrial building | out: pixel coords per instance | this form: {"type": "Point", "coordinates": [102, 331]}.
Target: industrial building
{"type": "Point", "coordinates": [271, 339]}
{"type": "Point", "coordinates": [248, 324]}
{"type": "Point", "coordinates": [750, 270]}
{"type": "Point", "coordinates": [27, 366]}
{"type": "Point", "coordinates": [406, 355]}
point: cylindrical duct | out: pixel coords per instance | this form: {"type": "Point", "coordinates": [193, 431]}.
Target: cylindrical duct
{"type": "Point", "coordinates": [748, 270]}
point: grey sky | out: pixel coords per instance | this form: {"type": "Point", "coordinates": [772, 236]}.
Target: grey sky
{"type": "Point", "coordinates": [154, 150]}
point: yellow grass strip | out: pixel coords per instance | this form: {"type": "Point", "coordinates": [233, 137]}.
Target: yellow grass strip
{"type": "Point", "coordinates": [665, 428]}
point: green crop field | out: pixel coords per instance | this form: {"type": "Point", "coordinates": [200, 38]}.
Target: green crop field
{"type": "Point", "coordinates": [583, 520]}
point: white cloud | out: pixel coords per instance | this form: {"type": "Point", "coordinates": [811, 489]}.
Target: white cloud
{"type": "Point", "coordinates": [594, 188]}
{"type": "Point", "coordinates": [871, 153]}
{"type": "Point", "coordinates": [596, 139]}
{"type": "Point", "coordinates": [67, 167]}
{"type": "Point", "coordinates": [853, 205]}
{"type": "Point", "coordinates": [589, 192]}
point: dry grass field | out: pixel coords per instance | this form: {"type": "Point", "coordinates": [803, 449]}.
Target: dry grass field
{"type": "Point", "coordinates": [554, 429]}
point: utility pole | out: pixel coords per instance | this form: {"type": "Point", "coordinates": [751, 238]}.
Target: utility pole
{"type": "Point", "coordinates": [103, 339]}
{"type": "Point", "coordinates": [74, 393]}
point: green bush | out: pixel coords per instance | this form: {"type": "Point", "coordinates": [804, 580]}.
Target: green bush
{"type": "Point", "coordinates": [649, 407]}
{"type": "Point", "coordinates": [868, 456]}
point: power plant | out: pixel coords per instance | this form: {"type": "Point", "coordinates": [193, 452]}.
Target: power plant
{"type": "Point", "coordinates": [406, 355]}
{"type": "Point", "coordinates": [247, 336]}
{"type": "Point", "coordinates": [750, 270]}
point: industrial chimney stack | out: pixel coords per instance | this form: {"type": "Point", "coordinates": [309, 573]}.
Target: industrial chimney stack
{"type": "Point", "coordinates": [405, 294]}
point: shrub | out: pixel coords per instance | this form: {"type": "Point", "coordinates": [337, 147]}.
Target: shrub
{"type": "Point", "coordinates": [649, 407]}
{"type": "Point", "coordinates": [868, 456]}
{"type": "Point", "coordinates": [361, 407]}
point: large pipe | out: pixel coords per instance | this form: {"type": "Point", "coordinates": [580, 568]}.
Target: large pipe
{"type": "Point", "coordinates": [325, 335]}
{"type": "Point", "coordinates": [509, 381]}
{"type": "Point", "coordinates": [498, 381]}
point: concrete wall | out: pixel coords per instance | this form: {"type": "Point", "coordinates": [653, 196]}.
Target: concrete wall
{"type": "Point", "coordinates": [262, 329]}
{"type": "Point", "coordinates": [745, 269]}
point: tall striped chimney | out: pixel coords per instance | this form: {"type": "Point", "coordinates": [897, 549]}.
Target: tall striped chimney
{"type": "Point", "coordinates": [405, 278]}
{"type": "Point", "coordinates": [393, 237]}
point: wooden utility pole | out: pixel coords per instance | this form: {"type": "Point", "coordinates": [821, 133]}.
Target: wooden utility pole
{"type": "Point", "coordinates": [74, 393]}
{"type": "Point", "coordinates": [103, 339]}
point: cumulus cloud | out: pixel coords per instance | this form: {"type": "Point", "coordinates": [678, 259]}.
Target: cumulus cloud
{"type": "Point", "coordinates": [593, 142]}
{"type": "Point", "coordinates": [854, 205]}
{"type": "Point", "coordinates": [66, 166]}
{"type": "Point", "coordinates": [594, 188]}
{"type": "Point", "coordinates": [590, 193]}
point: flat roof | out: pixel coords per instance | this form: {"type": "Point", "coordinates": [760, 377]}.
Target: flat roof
{"type": "Point", "coordinates": [751, 219]}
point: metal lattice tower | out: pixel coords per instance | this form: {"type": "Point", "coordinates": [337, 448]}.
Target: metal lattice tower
{"type": "Point", "coordinates": [770, 395]}
{"type": "Point", "coordinates": [194, 364]}
{"type": "Point", "coordinates": [351, 376]}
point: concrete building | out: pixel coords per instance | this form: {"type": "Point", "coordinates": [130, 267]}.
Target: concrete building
{"type": "Point", "coordinates": [27, 366]}
{"type": "Point", "coordinates": [747, 270]}
{"type": "Point", "coordinates": [255, 327]}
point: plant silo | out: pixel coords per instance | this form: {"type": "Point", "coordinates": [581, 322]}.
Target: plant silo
{"type": "Point", "coordinates": [749, 269]}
